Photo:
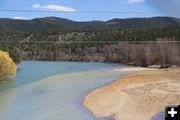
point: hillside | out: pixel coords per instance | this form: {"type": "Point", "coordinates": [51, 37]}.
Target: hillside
{"type": "Point", "coordinates": [101, 46]}
{"type": "Point", "coordinates": [155, 40]}
{"type": "Point", "coordinates": [54, 23]}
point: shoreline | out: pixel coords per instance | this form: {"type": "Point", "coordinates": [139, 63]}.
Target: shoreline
{"type": "Point", "coordinates": [133, 69]}
{"type": "Point", "coordinates": [68, 88]}
{"type": "Point", "coordinates": [102, 102]}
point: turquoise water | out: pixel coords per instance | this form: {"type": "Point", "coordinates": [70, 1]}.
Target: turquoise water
{"type": "Point", "coordinates": [53, 90]}
{"type": "Point", "coordinates": [31, 71]}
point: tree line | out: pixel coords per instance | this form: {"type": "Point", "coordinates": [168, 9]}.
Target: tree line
{"type": "Point", "coordinates": [142, 47]}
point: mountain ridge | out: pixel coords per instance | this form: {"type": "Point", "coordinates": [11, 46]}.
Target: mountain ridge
{"type": "Point", "coordinates": [55, 23]}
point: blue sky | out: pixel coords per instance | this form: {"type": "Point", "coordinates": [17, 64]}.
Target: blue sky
{"type": "Point", "coordinates": [75, 6]}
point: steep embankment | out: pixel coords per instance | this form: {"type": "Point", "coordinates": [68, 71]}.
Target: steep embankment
{"type": "Point", "coordinates": [7, 66]}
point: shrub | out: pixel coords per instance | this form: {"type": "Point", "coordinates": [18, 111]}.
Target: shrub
{"type": "Point", "coordinates": [7, 66]}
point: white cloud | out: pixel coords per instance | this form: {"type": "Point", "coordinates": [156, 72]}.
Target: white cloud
{"type": "Point", "coordinates": [135, 1]}
{"type": "Point", "coordinates": [54, 7]}
{"type": "Point", "coordinates": [36, 6]}
{"type": "Point", "coordinates": [59, 8]}
{"type": "Point", "coordinates": [19, 18]}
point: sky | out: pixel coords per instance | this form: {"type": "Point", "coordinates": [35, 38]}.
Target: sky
{"type": "Point", "coordinates": [72, 9]}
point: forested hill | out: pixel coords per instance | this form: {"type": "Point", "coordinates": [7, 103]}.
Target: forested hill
{"type": "Point", "coordinates": [158, 46]}
{"type": "Point", "coordinates": [136, 41]}
{"type": "Point", "coordinates": [54, 23]}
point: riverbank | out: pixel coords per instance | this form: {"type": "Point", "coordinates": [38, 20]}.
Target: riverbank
{"type": "Point", "coordinates": [136, 97]}
{"type": "Point", "coordinates": [54, 90]}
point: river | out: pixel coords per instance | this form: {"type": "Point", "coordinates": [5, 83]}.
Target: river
{"type": "Point", "coordinates": [54, 90]}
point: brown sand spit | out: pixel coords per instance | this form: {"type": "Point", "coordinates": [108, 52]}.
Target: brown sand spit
{"type": "Point", "coordinates": [136, 97]}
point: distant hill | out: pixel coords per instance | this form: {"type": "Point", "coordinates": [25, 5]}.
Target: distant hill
{"type": "Point", "coordinates": [54, 23]}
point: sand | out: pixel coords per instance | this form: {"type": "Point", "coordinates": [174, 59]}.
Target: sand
{"type": "Point", "coordinates": [136, 97]}
{"type": "Point", "coordinates": [128, 69]}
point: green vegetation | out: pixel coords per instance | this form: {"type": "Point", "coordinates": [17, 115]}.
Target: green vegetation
{"type": "Point", "coordinates": [147, 45]}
